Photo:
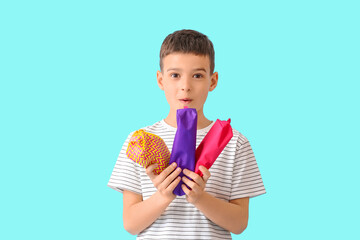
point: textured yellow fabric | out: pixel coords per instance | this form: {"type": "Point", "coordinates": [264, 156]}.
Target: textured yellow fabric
{"type": "Point", "coordinates": [147, 148]}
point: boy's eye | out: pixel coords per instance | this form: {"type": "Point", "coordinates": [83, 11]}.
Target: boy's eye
{"type": "Point", "coordinates": [174, 75]}
{"type": "Point", "coordinates": [197, 75]}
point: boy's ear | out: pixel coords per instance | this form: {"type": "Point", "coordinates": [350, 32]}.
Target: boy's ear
{"type": "Point", "coordinates": [213, 81]}
{"type": "Point", "coordinates": [159, 78]}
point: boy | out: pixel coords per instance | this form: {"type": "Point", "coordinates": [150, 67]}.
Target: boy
{"type": "Point", "coordinates": [215, 204]}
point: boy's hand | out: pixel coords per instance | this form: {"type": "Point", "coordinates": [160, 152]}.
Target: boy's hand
{"type": "Point", "coordinates": [196, 185]}
{"type": "Point", "coordinates": [166, 181]}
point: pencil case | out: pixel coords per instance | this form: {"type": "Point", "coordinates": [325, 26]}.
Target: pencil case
{"type": "Point", "coordinates": [147, 148]}
{"type": "Point", "coordinates": [183, 150]}
{"type": "Point", "coordinates": [213, 144]}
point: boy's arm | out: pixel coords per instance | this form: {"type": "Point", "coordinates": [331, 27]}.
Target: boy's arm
{"type": "Point", "coordinates": [232, 215]}
{"type": "Point", "coordinates": [139, 214]}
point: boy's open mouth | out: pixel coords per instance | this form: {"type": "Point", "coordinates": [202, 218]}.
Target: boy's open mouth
{"type": "Point", "coordinates": [186, 100]}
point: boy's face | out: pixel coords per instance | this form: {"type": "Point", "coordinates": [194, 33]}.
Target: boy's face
{"type": "Point", "coordinates": [186, 80]}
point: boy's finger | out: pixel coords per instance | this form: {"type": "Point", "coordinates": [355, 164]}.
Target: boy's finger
{"type": "Point", "coordinates": [173, 185]}
{"type": "Point", "coordinates": [206, 173]}
{"type": "Point", "coordinates": [185, 189]}
{"type": "Point", "coordinates": [195, 177]}
{"type": "Point", "coordinates": [167, 171]}
{"type": "Point", "coordinates": [150, 170]}
{"type": "Point", "coordinates": [189, 183]}
{"type": "Point", "coordinates": [167, 181]}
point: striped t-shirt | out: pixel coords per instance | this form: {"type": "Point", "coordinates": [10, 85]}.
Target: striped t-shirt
{"type": "Point", "coordinates": [235, 174]}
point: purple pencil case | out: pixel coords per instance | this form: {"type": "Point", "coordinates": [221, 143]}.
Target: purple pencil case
{"type": "Point", "coordinates": [184, 146]}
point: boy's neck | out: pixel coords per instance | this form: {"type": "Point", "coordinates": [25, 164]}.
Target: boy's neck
{"type": "Point", "coordinates": [202, 121]}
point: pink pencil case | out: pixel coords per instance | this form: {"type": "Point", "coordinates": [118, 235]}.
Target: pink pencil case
{"type": "Point", "coordinates": [213, 144]}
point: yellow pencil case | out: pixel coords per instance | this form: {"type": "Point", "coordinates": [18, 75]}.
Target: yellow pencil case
{"type": "Point", "coordinates": [147, 148]}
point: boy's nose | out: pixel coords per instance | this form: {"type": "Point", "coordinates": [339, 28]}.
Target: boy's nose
{"type": "Point", "coordinates": [185, 85]}
{"type": "Point", "coordinates": [186, 89]}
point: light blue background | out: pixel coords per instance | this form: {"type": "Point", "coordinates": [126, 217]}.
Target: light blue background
{"type": "Point", "coordinates": [78, 76]}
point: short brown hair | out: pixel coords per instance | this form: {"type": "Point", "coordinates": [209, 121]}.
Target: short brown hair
{"type": "Point", "coordinates": [188, 41]}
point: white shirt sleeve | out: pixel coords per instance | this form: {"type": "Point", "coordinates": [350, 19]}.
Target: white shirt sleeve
{"type": "Point", "coordinates": [247, 181]}
{"type": "Point", "coordinates": [125, 175]}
